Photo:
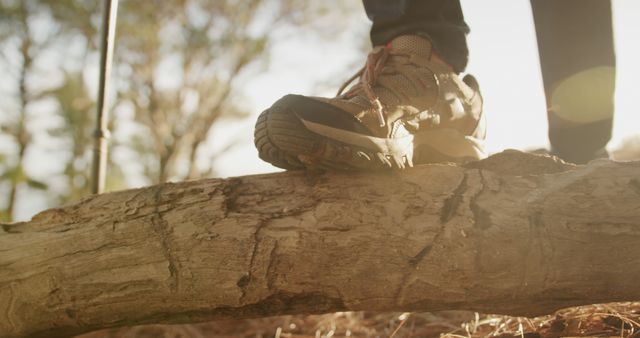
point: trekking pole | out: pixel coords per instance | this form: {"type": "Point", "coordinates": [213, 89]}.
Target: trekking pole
{"type": "Point", "coordinates": [107, 37]}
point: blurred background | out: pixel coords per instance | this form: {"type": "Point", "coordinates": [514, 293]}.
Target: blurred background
{"type": "Point", "coordinates": [191, 76]}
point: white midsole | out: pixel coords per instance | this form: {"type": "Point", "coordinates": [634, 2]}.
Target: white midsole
{"type": "Point", "coordinates": [449, 142]}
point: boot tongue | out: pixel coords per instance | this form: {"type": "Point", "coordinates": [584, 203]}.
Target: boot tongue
{"type": "Point", "coordinates": [412, 44]}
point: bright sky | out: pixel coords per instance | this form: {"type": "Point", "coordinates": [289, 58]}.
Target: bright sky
{"type": "Point", "coordinates": [504, 58]}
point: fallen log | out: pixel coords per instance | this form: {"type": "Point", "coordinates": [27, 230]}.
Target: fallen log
{"type": "Point", "coordinates": [514, 234]}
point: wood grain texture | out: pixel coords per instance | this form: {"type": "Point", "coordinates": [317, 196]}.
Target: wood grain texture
{"type": "Point", "coordinates": [514, 234]}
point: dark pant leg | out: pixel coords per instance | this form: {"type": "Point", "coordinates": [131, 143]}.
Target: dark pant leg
{"type": "Point", "coordinates": [575, 41]}
{"type": "Point", "coordinates": [439, 20]}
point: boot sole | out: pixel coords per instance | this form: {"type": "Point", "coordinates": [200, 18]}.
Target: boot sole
{"type": "Point", "coordinates": [290, 142]}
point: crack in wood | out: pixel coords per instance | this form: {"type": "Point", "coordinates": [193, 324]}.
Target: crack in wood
{"type": "Point", "coordinates": [256, 244]}
{"type": "Point", "coordinates": [535, 223]}
{"type": "Point", "coordinates": [545, 255]}
{"type": "Point", "coordinates": [161, 228]}
{"type": "Point", "coordinates": [92, 250]}
{"type": "Point", "coordinates": [335, 229]}
{"type": "Point", "coordinates": [415, 261]}
{"type": "Point", "coordinates": [278, 303]}
{"type": "Point", "coordinates": [635, 185]}
{"type": "Point", "coordinates": [246, 280]}
{"type": "Point", "coordinates": [231, 194]}
{"type": "Point", "coordinates": [481, 217]}
{"type": "Point", "coordinates": [270, 275]}
{"type": "Point", "coordinates": [451, 204]}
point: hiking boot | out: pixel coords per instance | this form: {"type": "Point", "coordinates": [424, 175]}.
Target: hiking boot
{"type": "Point", "coordinates": [409, 107]}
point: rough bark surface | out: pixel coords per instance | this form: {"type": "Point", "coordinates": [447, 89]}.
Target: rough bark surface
{"type": "Point", "coordinates": [515, 234]}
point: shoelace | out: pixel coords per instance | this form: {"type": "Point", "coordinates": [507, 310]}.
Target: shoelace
{"type": "Point", "coordinates": [368, 75]}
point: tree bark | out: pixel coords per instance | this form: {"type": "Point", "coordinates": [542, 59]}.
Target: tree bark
{"type": "Point", "coordinates": [514, 234]}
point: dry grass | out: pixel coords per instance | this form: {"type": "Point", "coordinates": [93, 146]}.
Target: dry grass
{"type": "Point", "coordinates": [604, 320]}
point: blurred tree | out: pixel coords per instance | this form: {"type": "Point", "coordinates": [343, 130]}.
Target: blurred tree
{"type": "Point", "coordinates": [79, 22]}
{"type": "Point", "coordinates": [16, 35]}
{"type": "Point", "coordinates": [78, 19]}
{"type": "Point", "coordinates": [21, 29]}
{"type": "Point", "coordinates": [179, 70]}
{"type": "Point", "coordinates": [184, 59]}
{"type": "Point", "coordinates": [76, 109]}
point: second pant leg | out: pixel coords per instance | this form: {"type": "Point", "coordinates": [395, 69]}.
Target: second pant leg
{"type": "Point", "coordinates": [575, 42]}
{"type": "Point", "coordinates": [441, 21]}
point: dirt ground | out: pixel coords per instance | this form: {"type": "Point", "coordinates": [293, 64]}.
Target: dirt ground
{"type": "Point", "coordinates": [604, 320]}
